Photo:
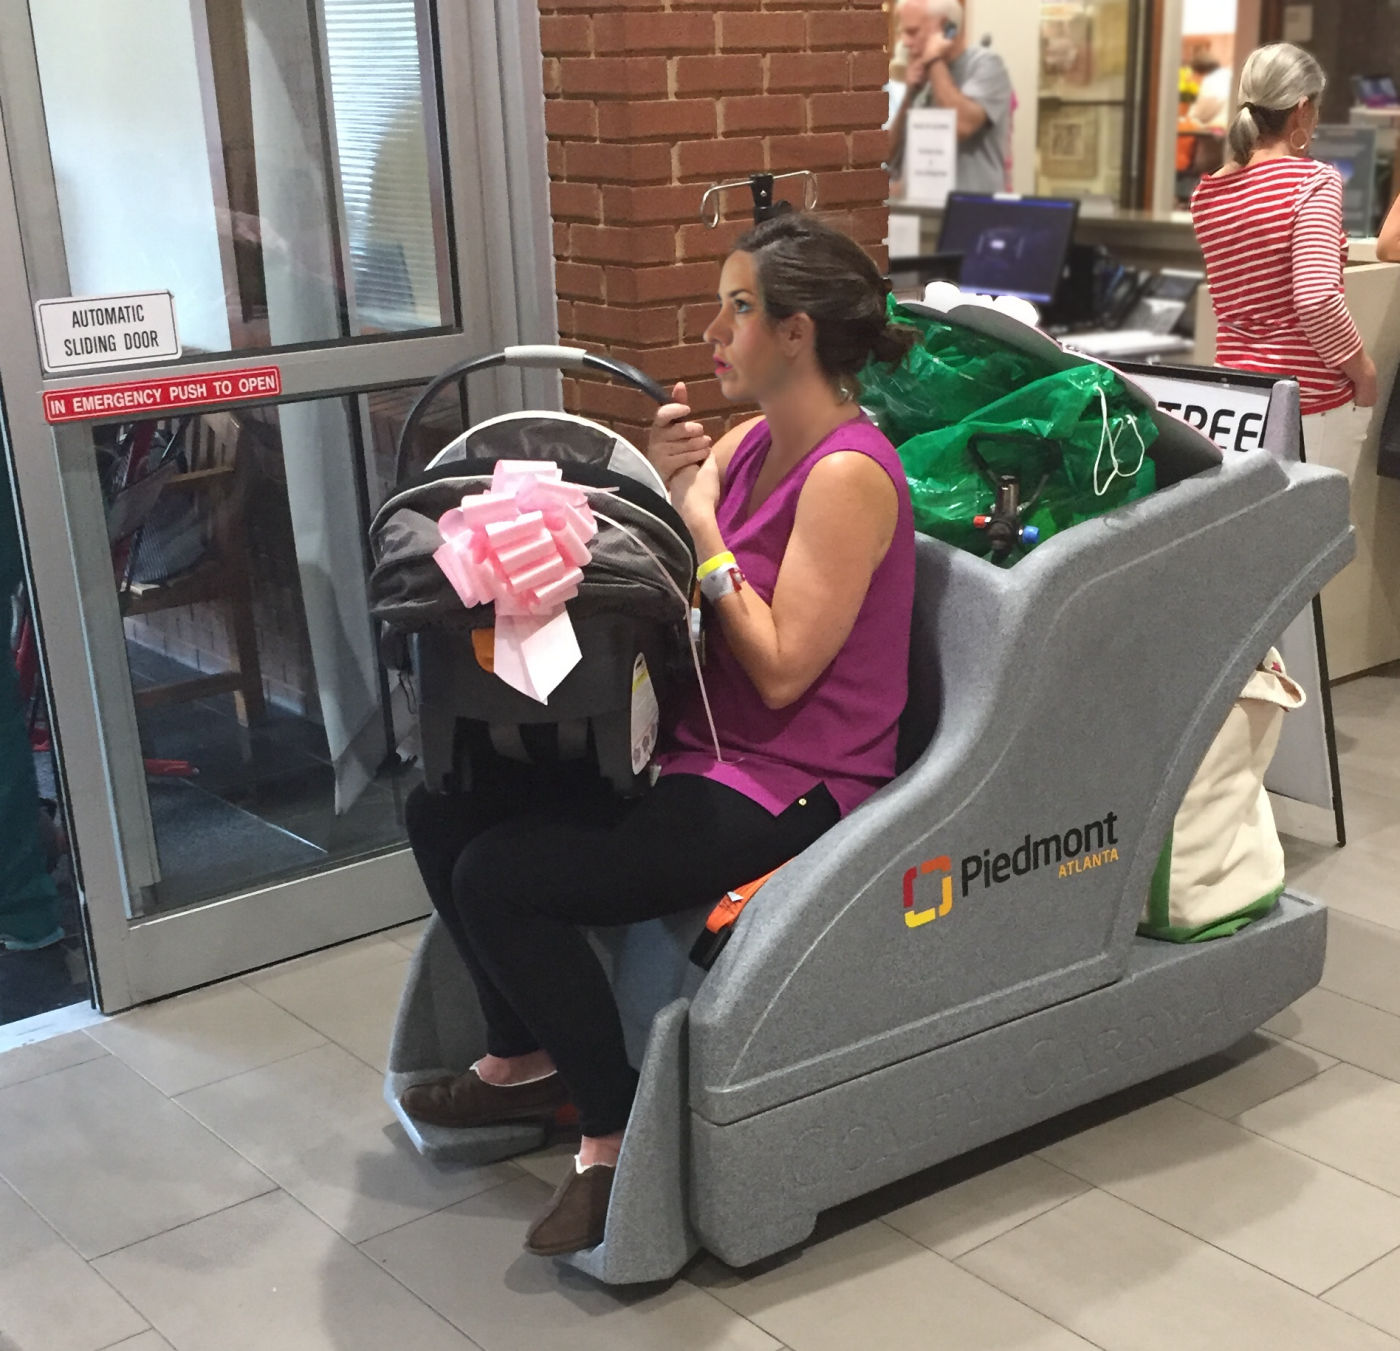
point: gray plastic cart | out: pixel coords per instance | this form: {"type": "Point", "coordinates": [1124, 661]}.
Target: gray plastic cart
{"type": "Point", "coordinates": [958, 958]}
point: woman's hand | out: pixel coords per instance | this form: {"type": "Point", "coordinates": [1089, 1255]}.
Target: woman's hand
{"type": "Point", "coordinates": [674, 443]}
{"type": "Point", "coordinates": [1361, 371]}
{"type": "Point", "coordinates": [1366, 392]}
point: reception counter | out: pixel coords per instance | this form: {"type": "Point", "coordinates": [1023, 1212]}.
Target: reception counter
{"type": "Point", "coordinates": [1139, 238]}
{"type": "Point", "coordinates": [1361, 606]}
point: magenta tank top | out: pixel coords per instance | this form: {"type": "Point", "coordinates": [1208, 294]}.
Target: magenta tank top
{"type": "Point", "coordinates": [842, 731]}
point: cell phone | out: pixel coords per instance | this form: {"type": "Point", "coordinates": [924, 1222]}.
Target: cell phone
{"type": "Point", "coordinates": [950, 29]}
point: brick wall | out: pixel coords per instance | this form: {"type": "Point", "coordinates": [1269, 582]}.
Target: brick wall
{"type": "Point", "coordinates": [648, 102]}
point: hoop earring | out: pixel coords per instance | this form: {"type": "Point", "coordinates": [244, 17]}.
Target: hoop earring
{"type": "Point", "coordinates": [844, 392]}
{"type": "Point", "coordinates": [1307, 141]}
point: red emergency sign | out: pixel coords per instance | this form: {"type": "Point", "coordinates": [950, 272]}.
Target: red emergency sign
{"type": "Point", "coordinates": [92, 403]}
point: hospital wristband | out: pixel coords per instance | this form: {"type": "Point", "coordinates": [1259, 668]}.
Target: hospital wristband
{"type": "Point", "coordinates": [726, 582]}
{"type": "Point", "coordinates": [719, 576]}
{"type": "Point", "coordinates": [714, 563]}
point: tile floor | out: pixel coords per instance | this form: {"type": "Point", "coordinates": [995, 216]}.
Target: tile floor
{"type": "Point", "coordinates": [219, 1173]}
{"type": "Point", "coordinates": [261, 804]}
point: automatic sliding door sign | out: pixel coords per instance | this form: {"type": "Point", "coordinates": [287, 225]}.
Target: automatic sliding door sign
{"type": "Point", "coordinates": [82, 332]}
{"type": "Point", "coordinates": [102, 403]}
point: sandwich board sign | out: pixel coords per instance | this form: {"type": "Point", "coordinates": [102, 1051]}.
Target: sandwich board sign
{"type": "Point", "coordinates": [1237, 410]}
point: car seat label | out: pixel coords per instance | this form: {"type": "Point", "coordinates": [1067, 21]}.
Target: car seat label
{"type": "Point", "coordinates": [646, 715]}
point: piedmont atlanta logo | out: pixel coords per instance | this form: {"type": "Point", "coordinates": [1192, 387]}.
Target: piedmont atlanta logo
{"type": "Point", "coordinates": [1071, 852]}
{"type": "Point", "coordinates": [941, 867]}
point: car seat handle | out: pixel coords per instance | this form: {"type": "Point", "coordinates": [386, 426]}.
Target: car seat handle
{"type": "Point", "coordinates": [546, 356]}
{"type": "Point", "coordinates": [578, 358]}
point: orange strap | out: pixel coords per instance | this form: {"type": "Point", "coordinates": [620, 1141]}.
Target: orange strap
{"type": "Point", "coordinates": [727, 911]}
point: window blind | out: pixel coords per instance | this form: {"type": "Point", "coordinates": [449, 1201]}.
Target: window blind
{"type": "Point", "coordinates": [381, 134]}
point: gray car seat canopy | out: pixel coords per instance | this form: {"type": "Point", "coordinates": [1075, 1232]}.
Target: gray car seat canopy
{"type": "Point", "coordinates": [562, 437]}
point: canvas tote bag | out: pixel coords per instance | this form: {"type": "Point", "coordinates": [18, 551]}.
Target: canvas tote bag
{"type": "Point", "coordinates": [1222, 864]}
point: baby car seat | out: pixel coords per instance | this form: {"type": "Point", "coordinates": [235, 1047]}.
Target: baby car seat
{"type": "Point", "coordinates": [630, 615]}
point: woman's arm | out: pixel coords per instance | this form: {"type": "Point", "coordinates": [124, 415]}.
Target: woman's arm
{"type": "Point", "coordinates": [1388, 241]}
{"type": "Point", "coordinates": [846, 517]}
{"type": "Point", "coordinates": [1320, 306]}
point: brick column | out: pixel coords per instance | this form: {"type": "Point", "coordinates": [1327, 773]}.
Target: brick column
{"type": "Point", "coordinates": [648, 102]}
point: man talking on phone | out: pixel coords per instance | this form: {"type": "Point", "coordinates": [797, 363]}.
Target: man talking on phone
{"type": "Point", "coordinates": [944, 72]}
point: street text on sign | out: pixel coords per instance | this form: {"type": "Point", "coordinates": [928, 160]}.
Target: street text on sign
{"type": "Point", "coordinates": [84, 331]}
{"type": "Point", "coordinates": [145, 397]}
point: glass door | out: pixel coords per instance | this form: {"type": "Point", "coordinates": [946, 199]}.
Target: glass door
{"type": "Point", "coordinates": [1091, 122]}
{"type": "Point", "coordinates": [251, 231]}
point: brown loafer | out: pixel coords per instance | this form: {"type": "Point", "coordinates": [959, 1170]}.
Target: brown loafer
{"type": "Point", "coordinates": [465, 1100]}
{"type": "Point", "coordinates": [577, 1213]}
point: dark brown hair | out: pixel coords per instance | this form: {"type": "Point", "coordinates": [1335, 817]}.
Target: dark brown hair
{"type": "Point", "coordinates": [807, 267]}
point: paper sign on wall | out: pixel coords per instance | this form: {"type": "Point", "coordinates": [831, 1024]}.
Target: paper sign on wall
{"type": "Point", "coordinates": [930, 155]}
{"type": "Point", "coordinates": [83, 331]}
{"type": "Point", "coordinates": [1297, 23]}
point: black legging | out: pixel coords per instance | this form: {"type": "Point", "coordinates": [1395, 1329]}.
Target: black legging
{"type": "Point", "coordinates": [515, 867]}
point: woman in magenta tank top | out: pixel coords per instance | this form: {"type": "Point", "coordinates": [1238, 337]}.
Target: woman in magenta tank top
{"type": "Point", "coordinates": [803, 520]}
{"type": "Point", "coordinates": [807, 662]}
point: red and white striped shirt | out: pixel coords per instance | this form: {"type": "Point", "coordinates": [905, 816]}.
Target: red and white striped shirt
{"type": "Point", "coordinates": [1274, 249]}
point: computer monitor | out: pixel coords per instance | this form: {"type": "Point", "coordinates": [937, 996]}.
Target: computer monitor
{"type": "Point", "coordinates": [1374, 91]}
{"type": "Point", "coordinates": [1011, 246]}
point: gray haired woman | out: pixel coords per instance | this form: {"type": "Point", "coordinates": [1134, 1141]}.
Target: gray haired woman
{"type": "Point", "coordinates": [1270, 226]}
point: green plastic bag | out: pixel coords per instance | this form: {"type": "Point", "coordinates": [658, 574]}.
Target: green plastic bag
{"type": "Point", "coordinates": [1072, 433]}
{"type": "Point", "coordinates": [951, 374]}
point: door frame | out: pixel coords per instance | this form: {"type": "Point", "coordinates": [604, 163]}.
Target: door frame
{"type": "Point", "coordinates": [494, 153]}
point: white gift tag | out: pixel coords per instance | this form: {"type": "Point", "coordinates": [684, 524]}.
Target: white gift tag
{"type": "Point", "coordinates": [646, 715]}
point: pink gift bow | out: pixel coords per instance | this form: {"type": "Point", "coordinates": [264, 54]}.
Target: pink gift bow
{"type": "Point", "coordinates": [521, 546]}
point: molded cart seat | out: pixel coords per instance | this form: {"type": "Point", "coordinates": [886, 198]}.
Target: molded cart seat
{"type": "Point", "coordinates": [958, 958]}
